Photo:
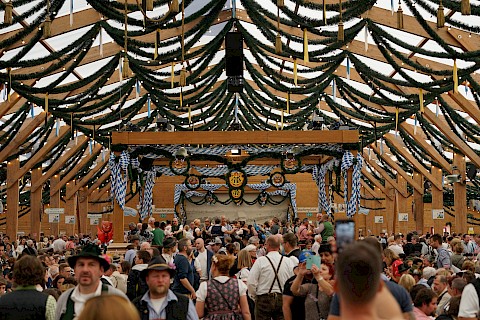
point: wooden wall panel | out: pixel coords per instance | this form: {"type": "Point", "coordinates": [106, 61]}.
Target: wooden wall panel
{"type": "Point", "coordinates": [306, 197]}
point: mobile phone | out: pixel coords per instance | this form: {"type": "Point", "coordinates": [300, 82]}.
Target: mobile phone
{"type": "Point", "coordinates": [345, 232]}
{"type": "Point", "coordinates": [313, 260]}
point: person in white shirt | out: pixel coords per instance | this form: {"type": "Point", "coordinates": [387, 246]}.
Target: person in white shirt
{"type": "Point", "coordinates": [204, 258]}
{"type": "Point", "coordinates": [60, 244]}
{"type": "Point", "coordinates": [89, 267]}
{"type": "Point", "coordinates": [395, 244]}
{"type": "Point", "coordinates": [317, 243]}
{"type": "Point", "coordinates": [267, 279]}
{"type": "Point", "coordinates": [222, 294]}
{"type": "Point", "coordinates": [151, 222]}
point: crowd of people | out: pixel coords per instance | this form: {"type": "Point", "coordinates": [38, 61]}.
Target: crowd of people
{"type": "Point", "coordinates": [230, 270]}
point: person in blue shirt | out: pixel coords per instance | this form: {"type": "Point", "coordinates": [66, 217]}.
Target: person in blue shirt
{"type": "Point", "coordinates": [159, 302]}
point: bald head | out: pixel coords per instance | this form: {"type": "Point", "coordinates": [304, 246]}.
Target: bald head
{"type": "Point", "coordinates": [199, 244]}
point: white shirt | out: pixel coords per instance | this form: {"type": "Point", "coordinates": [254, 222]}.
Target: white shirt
{"type": "Point", "coordinates": [202, 290]}
{"type": "Point", "coordinates": [202, 260]}
{"type": "Point", "coordinates": [262, 274]}
{"type": "Point", "coordinates": [315, 247]}
{"type": "Point", "coordinates": [469, 306]}
{"type": "Point", "coordinates": [396, 248]}
{"type": "Point", "coordinates": [79, 299]}
{"type": "Point", "coordinates": [59, 245]}
{"type": "Point", "coordinates": [243, 274]}
{"type": "Point", "coordinates": [157, 303]}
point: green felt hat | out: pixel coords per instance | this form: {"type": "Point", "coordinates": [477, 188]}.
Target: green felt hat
{"type": "Point", "coordinates": [89, 251]}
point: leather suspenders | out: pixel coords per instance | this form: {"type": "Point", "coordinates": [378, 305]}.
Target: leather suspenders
{"type": "Point", "coordinates": [276, 275]}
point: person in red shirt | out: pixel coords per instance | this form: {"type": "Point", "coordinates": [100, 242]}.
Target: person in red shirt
{"type": "Point", "coordinates": [393, 261]}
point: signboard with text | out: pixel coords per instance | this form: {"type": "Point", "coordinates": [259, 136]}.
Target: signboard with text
{"type": "Point", "coordinates": [55, 210]}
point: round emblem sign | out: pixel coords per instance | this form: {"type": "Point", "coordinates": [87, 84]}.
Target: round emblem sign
{"type": "Point", "coordinates": [236, 195]}
{"type": "Point", "coordinates": [179, 166]}
{"type": "Point", "coordinates": [192, 181]}
{"type": "Point", "coordinates": [236, 179]}
{"type": "Point", "coordinates": [277, 179]}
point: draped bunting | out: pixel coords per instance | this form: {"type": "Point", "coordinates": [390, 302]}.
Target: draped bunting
{"type": "Point", "coordinates": [146, 204]}
{"type": "Point", "coordinates": [121, 188]}
{"type": "Point", "coordinates": [287, 187]}
{"type": "Point", "coordinates": [252, 170]}
{"type": "Point", "coordinates": [250, 149]}
{"type": "Point", "coordinates": [318, 175]}
{"type": "Point", "coordinates": [347, 163]}
{"type": "Point", "coordinates": [114, 175]}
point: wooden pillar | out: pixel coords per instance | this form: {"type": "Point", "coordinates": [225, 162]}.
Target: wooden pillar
{"type": "Point", "coordinates": [54, 201]}
{"type": "Point", "coordinates": [418, 208]}
{"type": "Point", "coordinates": [70, 207]}
{"type": "Point", "coordinates": [460, 194]}
{"type": "Point", "coordinates": [389, 217]}
{"type": "Point", "coordinates": [83, 208]}
{"type": "Point", "coordinates": [36, 205]}
{"type": "Point", "coordinates": [118, 221]}
{"type": "Point", "coordinates": [13, 198]}
{"type": "Point", "coordinates": [403, 205]}
{"type": "Point", "coordinates": [437, 203]}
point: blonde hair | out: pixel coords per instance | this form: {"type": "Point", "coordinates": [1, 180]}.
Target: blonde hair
{"type": "Point", "coordinates": [443, 272]}
{"type": "Point", "coordinates": [390, 255]}
{"type": "Point", "coordinates": [117, 306]}
{"type": "Point", "coordinates": [407, 281]}
{"type": "Point", "coordinates": [223, 263]}
{"type": "Point", "coordinates": [468, 265]}
{"type": "Point", "coordinates": [244, 259]}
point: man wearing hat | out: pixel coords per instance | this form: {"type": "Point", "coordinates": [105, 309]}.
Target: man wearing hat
{"type": "Point", "coordinates": [89, 266]}
{"type": "Point", "coordinates": [215, 245]}
{"type": "Point", "coordinates": [159, 302]}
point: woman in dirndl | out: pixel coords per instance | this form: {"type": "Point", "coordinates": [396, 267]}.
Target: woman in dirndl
{"type": "Point", "coordinates": [222, 297]}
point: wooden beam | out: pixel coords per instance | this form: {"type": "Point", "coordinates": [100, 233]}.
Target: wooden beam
{"type": "Point", "coordinates": [99, 181]}
{"type": "Point", "coordinates": [226, 137]}
{"type": "Point", "coordinates": [13, 198]}
{"type": "Point", "coordinates": [371, 191]}
{"type": "Point", "coordinates": [37, 157]}
{"type": "Point", "coordinates": [411, 159]}
{"type": "Point", "coordinates": [83, 210]}
{"type": "Point", "coordinates": [377, 183]}
{"type": "Point", "coordinates": [459, 143]}
{"type": "Point", "coordinates": [397, 168]}
{"type": "Point", "coordinates": [54, 200]}
{"type": "Point", "coordinates": [83, 182]}
{"type": "Point", "coordinates": [36, 205]}
{"type": "Point", "coordinates": [411, 25]}
{"type": "Point", "coordinates": [437, 203]}
{"type": "Point", "coordinates": [460, 192]}
{"type": "Point", "coordinates": [101, 192]}
{"type": "Point", "coordinates": [74, 171]}
{"type": "Point", "coordinates": [60, 162]}
{"type": "Point", "coordinates": [23, 134]}
{"type": "Point", "coordinates": [466, 105]}
{"type": "Point", "coordinates": [118, 222]}
{"type": "Point", "coordinates": [71, 203]}
{"type": "Point", "coordinates": [60, 25]}
{"type": "Point", "coordinates": [427, 147]}
{"type": "Point", "coordinates": [384, 174]}
{"type": "Point", "coordinates": [418, 211]}
{"type": "Point", "coordinates": [468, 42]}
